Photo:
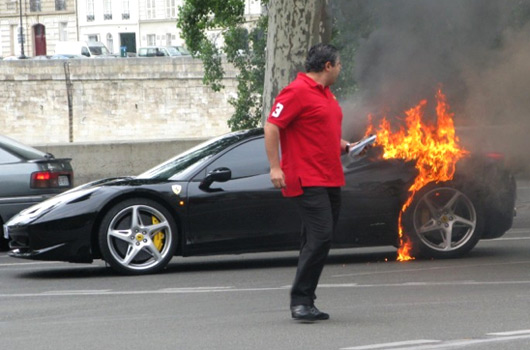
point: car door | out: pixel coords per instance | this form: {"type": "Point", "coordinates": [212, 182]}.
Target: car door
{"type": "Point", "coordinates": [372, 198]}
{"type": "Point", "coordinates": [246, 209]}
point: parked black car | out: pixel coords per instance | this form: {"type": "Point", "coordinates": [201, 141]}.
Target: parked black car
{"type": "Point", "coordinates": [28, 176]}
{"type": "Point", "coordinates": [217, 198]}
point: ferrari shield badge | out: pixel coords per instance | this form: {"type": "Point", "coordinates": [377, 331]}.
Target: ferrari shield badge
{"type": "Point", "coordinates": [176, 189]}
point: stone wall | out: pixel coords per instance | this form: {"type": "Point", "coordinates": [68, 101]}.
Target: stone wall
{"type": "Point", "coordinates": [132, 99]}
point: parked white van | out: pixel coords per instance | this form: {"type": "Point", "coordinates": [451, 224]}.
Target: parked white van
{"type": "Point", "coordinates": [92, 49]}
{"type": "Point", "coordinates": [161, 51]}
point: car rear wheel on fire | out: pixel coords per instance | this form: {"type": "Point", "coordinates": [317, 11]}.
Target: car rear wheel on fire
{"type": "Point", "coordinates": [138, 236]}
{"type": "Point", "coordinates": [444, 221]}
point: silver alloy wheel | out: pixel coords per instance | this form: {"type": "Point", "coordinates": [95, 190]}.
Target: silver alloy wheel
{"type": "Point", "coordinates": [444, 219]}
{"type": "Point", "coordinates": [133, 242]}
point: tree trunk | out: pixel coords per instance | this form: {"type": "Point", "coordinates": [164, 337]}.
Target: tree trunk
{"type": "Point", "coordinates": [294, 26]}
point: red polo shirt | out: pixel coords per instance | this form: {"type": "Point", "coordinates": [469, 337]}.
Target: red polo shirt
{"type": "Point", "coordinates": [310, 120]}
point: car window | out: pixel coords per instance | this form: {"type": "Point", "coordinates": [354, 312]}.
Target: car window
{"type": "Point", "coordinates": [187, 163]}
{"type": "Point", "coordinates": [20, 149]}
{"type": "Point", "coordinates": [247, 159]}
{"type": "Point", "coordinates": [6, 157]}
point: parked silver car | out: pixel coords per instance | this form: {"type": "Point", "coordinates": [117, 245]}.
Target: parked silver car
{"type": "Point", "coordinates": [28, 176]}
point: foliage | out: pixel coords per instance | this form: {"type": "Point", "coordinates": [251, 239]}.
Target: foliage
{"type": "Point", "coordinates": [244, 49]}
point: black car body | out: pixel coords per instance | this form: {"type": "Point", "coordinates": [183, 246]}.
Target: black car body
{"type": "Point", "coordinates": [29, 176]}
{"type": "Point", "coordinates": [217, 198]}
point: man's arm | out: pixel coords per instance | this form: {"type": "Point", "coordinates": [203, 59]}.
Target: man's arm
{"type": "Point", "coordinates": [272, 146]}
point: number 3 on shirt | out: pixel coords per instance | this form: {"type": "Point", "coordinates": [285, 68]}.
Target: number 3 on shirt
{"type": "Point", "coordinates": [278, 110]}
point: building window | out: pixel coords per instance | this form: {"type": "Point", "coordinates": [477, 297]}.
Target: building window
{"type": "Point", "coordinates": [151, 39]}
{"type": "Point", "coordinates": [34, 6]}
{"type": "Point", "coordinates": [110, 43]}
{"type": "Point", "coordinates": [90, 10]}
{"type": "Point", "coordinates": [12, 6]}
{"type": "Point", "coordinates": [93, 37]}
{"type": "Point", "coordinates": [107, 9]}
{"type": "Point", "coordinates": [63, 33]}
{"type": "Point", "coordinates": [171, 8]}
{"type": "Point", "coordinates": [125, 11]}
{"type": "Point", "coordinates": [60, 5]}
{"type": "Point", "coordinates": [151, 10]}
{"type": "Point", "coordinates": [168, 39]}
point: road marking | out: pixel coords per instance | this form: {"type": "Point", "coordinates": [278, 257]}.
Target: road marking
{"type": "Point", "coordinates": [75, 292]}
{"type": "Point", "coordinates": [32, 263]}
{"type": "Point", "coordinates": [227, 289]}
{"type": "Point", "coordinates": [393, 344]}
{"type": "Point", "coordinates": [464, 343]}
{"type": "Point", "coordinates": [525, 331]}
{"type": "Point", "coordinates": [450, 344]}
{"type": "Point", "coordinates": [460, 266]}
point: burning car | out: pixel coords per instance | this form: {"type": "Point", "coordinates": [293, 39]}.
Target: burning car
{"type": "Point", "coordinates": [217, 198]}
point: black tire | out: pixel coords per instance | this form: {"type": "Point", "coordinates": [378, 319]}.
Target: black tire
{"type": "Point", "coordinates": [443, 221]}
{"type": "Point", "coordinates": [138, 247]}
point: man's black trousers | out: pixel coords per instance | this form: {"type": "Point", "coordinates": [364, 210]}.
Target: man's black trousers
{"type": "Point", "coordinates": [319, 210]}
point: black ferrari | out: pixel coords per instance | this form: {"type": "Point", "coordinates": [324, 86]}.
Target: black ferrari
{"type": "Point", "coordinates": [217, 198]}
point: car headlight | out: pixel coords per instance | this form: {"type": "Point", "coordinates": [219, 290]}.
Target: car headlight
{"type": "Point", "coordinates": [39, 209]}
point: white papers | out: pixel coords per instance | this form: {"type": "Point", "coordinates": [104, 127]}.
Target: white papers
{"type": "Point", "coordinates": [357, 148]}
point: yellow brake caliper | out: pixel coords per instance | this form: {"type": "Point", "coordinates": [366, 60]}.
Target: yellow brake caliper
{"type": "Point", "coordinates": [158, 238]}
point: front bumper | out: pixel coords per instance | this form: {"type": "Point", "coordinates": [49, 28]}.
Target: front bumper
{"type": "Point", "coordinates": [22, 246]}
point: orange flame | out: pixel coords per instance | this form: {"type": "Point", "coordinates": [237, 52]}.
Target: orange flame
{"type": "Point", "coordinates": [434, 148]}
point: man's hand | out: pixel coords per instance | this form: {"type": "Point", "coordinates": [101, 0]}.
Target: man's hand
{"type": "Point", "coordinates": [272, 146]}
{"type": "Point", "coordinates": [277, 177]}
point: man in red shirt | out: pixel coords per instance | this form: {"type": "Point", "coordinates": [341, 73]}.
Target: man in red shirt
{"type": "Point", "coordinates": [306, 120]}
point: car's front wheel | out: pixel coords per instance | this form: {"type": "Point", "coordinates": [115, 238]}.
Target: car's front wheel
{"type": "Point", "coordinates": [443, 222]}
{"type": "Point", "coordinates": [138, 236]}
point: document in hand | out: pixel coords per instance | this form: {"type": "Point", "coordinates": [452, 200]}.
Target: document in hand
{"type": "Point", "coordinates": [359, 146]}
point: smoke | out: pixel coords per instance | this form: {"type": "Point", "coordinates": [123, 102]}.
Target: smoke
{"type": "Point", "coordinates": [477, 51]}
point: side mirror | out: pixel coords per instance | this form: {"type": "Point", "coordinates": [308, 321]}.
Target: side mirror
{"type": "Point", "coordinates": [217, 175]}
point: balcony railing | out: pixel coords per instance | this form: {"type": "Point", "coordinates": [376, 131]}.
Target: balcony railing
{"type": "Point", "coordinates": [125, 16]}
{"type": "Point", "coordinates": [107, 16]}
{"type": "Point", "coordinates": [90, 18]}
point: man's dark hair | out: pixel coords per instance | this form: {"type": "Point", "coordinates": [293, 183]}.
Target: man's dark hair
{"type": "Point", "coordinates": [318, 55]}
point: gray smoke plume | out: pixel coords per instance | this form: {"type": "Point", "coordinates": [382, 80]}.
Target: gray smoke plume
{"type": "Point", "coordinates": [477, 51]}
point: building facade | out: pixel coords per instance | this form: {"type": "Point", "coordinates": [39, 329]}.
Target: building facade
{"type": "Point", "coordinates": [116, 23]}
{"type": "Point", "coordinates": [112, 22]}
{"type": "Point", "coordinates": [43, 23]}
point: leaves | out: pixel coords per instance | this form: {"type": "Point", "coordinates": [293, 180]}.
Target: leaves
{"type": "Point", "coordinates": [244, 49]}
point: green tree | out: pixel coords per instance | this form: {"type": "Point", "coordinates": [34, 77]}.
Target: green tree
{"type": "Point", "coordinates": [244, 49]}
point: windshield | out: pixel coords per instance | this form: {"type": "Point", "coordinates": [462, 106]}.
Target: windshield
{"type": "Point", "coordinates": [172, 51]}
{"type": "Point", "coordinates": [182, 50]}
{"type": "Point", "coordinates": [185, 163]}
{"type": "Point", "coordinates": [99, 50]}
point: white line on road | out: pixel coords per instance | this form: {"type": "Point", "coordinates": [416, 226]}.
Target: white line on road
{"type": "Point", "coordinates": [75, 292]}
{"type": "Point", "coordinates": [449, 267]}
{"type": "Point", "coordinates": [226, 289]}
{"type": "Point", "coordinates": [524, 331]}
{"type": "Point", "coordinates": [451, 344]}
{"type": "Point", "coordinates": [465, 342]}
{"type": "Point", "coordinates": [32, 263]}
{"type": "Point", "coordinates": [393, 344]}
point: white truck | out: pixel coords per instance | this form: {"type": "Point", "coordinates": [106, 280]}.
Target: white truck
{"type": "Point", "coordinates": [92, 49]}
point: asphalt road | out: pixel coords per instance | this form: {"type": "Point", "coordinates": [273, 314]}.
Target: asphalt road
{"type": "Point", "coordinates": [481, 301]}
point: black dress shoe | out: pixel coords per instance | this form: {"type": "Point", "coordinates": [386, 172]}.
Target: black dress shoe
{"type": "Point", "coordinates": [308, 313]}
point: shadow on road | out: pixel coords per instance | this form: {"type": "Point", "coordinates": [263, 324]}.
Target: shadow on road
{"type": "Point", "coordinates": [215, 263]}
